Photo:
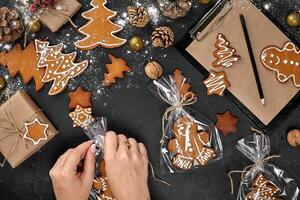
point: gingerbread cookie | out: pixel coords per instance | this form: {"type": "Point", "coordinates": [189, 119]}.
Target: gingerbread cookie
{"type": "Point", "coordinates": [263, 189]}
{"type": "Point", "coordinates": [190, 145]}
{"type": "Point", "coordinates": [36, 131]}
{"type": "Point", "coordinates": [181, 82]}
{"type": "Point", "coordinates": [115, 70]}
{"type": "Point", "coordinates": [60, 67]}
{"type": "Point", "coordinates": [227, 123]}
{"type": "Point", "coordinates": [224, 54]}
{"type": "Point", "coordinates": [81, 116]}
{"type": "Point", "coordinates": [216, 83]}
{"type": "Point", "coordinates": [99, 31]}
{"type": "Point", "coordinates": [80, 97]}
{"type": "Point", "coordinates": [101, 184]}
{"type": "Point", "coordinates": [24, 62]}
{"type": "Point", "coordinates": [285, 62]}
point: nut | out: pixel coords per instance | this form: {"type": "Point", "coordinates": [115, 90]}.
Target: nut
{"type": "Point", "coordinates": [153, 70]}
{"type": "Point", "coordinates": [293, 137]}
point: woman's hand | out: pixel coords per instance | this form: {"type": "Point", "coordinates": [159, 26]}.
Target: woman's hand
{"type": "Point", "coordinates": [126, 165]}
{"type": "Point", "coordinates": [69, 182]}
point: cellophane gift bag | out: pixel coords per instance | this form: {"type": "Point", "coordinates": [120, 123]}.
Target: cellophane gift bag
{"type": "Point", "coordinates": [189, 140]}
{"type": "Point", "coordinates": [96, 131]}
{"type": "Point", "coordinates": [263, 180]}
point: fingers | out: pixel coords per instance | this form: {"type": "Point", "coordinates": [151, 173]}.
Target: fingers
{"type": "Point", "coordinates": [123, 143]}
{"type": "Point", "coordinates": [142, 150]}
{"type": "Point", "coordinates": [89, 165]}
{"type": "Point", "coordinates": [59, 164]}
{"type": "Point", "coordinates": [133, 145]}
{"type": "Point", "coordinates": [111, 143]}
{"type": "Point", "coordinates": [76, 156]}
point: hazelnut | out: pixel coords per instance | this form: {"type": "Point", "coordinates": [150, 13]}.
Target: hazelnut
{"type": "Point", "coordinates": [293, 137]}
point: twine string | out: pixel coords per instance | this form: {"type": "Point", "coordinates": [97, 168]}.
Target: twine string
{"type": "Point", "coordinates": [248, 169]}
{"type": "Point", "coordinates": [188, 99]}
{"type": "Point", "coordinates": [13, 129]}
{"type": "Point", "coordinates": [155, 177]}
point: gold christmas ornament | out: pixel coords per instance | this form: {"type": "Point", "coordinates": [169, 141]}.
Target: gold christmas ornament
{"type": "Point", "coordinates": [35, 26]}
{"type": "Point", "coordinates": [138, 16]}
{"type": "Point", "coordinates": [293, 19]}
{"type": "Point", "coordinates": [2, 83]}
{"type": "Point", "coordinates": [153, 70]}
{"type": "Point", "coordinates": [204, 1]}
{"type": "Point", "coordinates": [293, 137]}
{"type": "Point", "coordinates": [162, 37]}
{"type": "Point", "coordinates": [136, 43]}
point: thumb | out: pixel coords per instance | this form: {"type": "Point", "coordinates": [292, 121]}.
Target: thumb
{"type": "Point", "coordinates": [89, 165]}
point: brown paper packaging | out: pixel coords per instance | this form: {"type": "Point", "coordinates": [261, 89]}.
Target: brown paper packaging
{"type": "Point", "coordinates": [20, 109]}
{"type": "Point", "coordinates": [54, 19]}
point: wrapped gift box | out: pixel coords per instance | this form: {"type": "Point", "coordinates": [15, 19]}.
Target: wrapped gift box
{"type": "Point", "coordinates": [14, 114]}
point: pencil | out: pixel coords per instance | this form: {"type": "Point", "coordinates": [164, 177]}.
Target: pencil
{"type": "Point", "coordinates": [257, 79]}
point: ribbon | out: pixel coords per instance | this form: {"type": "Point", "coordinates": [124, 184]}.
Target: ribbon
{"type": "Point", "coordinates": [248, 169]}
{"type": "Point", "coordinates": [188, 99]}
{"type": "Point", "coordinates": [13, 129]}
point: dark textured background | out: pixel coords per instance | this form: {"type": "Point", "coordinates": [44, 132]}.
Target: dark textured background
{"type": "Point", "coordinates": [132, 109]}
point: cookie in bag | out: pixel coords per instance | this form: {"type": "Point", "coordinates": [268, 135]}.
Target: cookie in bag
{"type": "Point", "coordinates": [190, 144]}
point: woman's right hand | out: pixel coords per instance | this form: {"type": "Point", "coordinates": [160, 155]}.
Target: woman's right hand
{"type": "Point", "coordinates": [126, 165]}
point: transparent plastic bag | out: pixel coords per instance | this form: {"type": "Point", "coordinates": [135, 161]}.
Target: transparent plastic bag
{"type": "Point", "coordinates": [256, 147]}
{"type": "Point", "coordinates": [96, 131]}
{"type": "Point", "coordinates": [189, 140]}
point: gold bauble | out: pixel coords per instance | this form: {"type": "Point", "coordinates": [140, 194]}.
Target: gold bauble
{"type": "Point", "coordinates": [2, 83]}
{"type": "Point", "coordinates": [35, 26]}
{"type": "Point", "coordinates": [136, 43]}
{"type": "Point", "coordinates": [293, 19]}
{"type": "Point", "coordinates": [204, 1]}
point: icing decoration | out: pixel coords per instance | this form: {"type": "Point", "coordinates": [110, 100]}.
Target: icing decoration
{"type": "Point", "coordinates": [115, 70]}
{"type": "Point", "coordinates": [224, 53]}
{"type": "Point", "coordinates": [59, 67]}
{"type": "Point", "coordinates": [80, 97]}
{"type": "Point", "coordinates": [81, 116]}
{"type": "Point", "coordinates": [24, 62]}
{"type": "Point", "coordinates": [226, 123]}
{"type": "Point", "coordinates": [285, 62]}
{"type": "Point", "coordinates": [101, 184]}
{"type": "Point", "coordinates": [181, 82]}
{"type": "Point", "coordinates": [190, 145]}
{"type": "Point", "coordinates": [36, 131]}
{"type": "Point", "coordinates": [99, 30]}
{"type": "Point", "coordinates": [216, 83]}
{"type": "Point", "coordinates": [263, 189]}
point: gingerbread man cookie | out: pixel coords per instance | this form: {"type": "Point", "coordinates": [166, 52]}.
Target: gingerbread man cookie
{"type": "Point", "coordinates": [190, 145]}
{"type": "Point", "coordinates": [224, 54]}
{"type": "Point", "coordinates": [263, 189]}
{"type": "Point", "coordinates": [285, 62]}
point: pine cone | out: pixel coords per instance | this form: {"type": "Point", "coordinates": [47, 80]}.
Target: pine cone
{"type": "Point", "coordinates": [138, 16]}
{"type": "Point", "coordinates": [174, 8]}
{"type": "Point", "coordinates": [11, 25]}
{"type": "Point", "coordinates": [162, 37]}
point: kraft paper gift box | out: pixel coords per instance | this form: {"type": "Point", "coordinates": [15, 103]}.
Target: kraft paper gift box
{"type": "Point", "coordinates": [14, 114]}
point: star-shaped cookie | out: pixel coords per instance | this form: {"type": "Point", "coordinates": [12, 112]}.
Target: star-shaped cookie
{"type": "Point", "coordinates": [81, 116]}
{"type": "Point", "coordinates": [226, 123]}
{"type": "Point", "coordinates": [36, 131]}
{"type": "Point", "coordinates": [80, 97]}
